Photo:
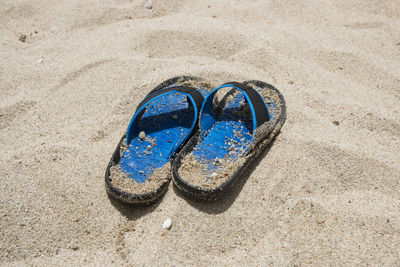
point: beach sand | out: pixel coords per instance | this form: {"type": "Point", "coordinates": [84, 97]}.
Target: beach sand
{"type": "Point", "coordinates": [326, 192]}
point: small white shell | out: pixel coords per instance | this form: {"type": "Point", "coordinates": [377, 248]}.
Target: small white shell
{"type": "Point", "coordinates": [148, 4]}
{"type": "Point", "coordinates": [167, 224]}
{"type": "Point", "coordinates": [213, 175]}
{"type": "Point", "coordinates": [142, 135]}
{"type": "Point", "coordinates": [175, 117]}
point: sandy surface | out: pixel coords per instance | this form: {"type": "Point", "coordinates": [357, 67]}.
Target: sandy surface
{"type": "Point", "coordinates": [326, 192]}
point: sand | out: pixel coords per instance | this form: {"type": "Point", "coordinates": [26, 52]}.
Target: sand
{"type": "Point", "coordinates": [325, 192]}
{"type": "Point", "coordinates": [199, 175]}
{"type": "Point", "coordinates": [123, 182]}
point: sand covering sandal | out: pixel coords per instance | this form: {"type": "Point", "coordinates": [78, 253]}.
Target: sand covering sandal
{"type": "Point", "coordinates": [139, 170]}
{"type": "Point", "coordinates": [232, 133]}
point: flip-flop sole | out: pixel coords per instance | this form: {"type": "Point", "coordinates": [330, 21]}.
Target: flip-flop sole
{"type": "Point", "coordinates": [231, 130]}
{"type": "Point", "coordinates": [165, 122]}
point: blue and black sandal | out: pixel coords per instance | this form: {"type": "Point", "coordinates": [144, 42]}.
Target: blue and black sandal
{"type": "Point", "coordinates": [232, 133]}
{"type": "Point", "coordinates": [139, 170]}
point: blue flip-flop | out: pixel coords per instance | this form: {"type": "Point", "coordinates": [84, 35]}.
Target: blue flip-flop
{"type": "Point", "coordinates": [232, 133]}
{"type": "Point", "coordinates": [138, 171]}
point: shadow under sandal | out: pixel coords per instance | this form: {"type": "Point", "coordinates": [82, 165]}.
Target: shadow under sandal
{"type": "Point", "coordinates": [139, 170]}
{"type": "Point", "coordinates": [232, 133]}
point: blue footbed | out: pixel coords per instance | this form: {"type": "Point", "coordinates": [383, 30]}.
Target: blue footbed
{"type": "Point", "coordinates": [167, 122]}
{"type": "Point", "coordinates": [231, 135]}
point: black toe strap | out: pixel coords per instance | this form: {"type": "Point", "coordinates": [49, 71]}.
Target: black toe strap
{"type": "Point", "coordinates": [193, 96]}
{"type": "Point", "coordinates": [256, 100]}
{"type": "Point", "coordinates": [194, 93]}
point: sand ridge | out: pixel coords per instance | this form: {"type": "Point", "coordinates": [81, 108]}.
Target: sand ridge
{"type": "Point", "coordinates": [326, 192]}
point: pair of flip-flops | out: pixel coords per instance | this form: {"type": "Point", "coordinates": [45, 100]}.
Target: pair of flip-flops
{"type": "Point", "coordinates": [203, 137]}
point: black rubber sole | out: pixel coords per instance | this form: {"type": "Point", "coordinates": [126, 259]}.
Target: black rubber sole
{"type": "Point", "coordinates": [150, 197]}
{"type": "Point", "coordinates": [203, 194]}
